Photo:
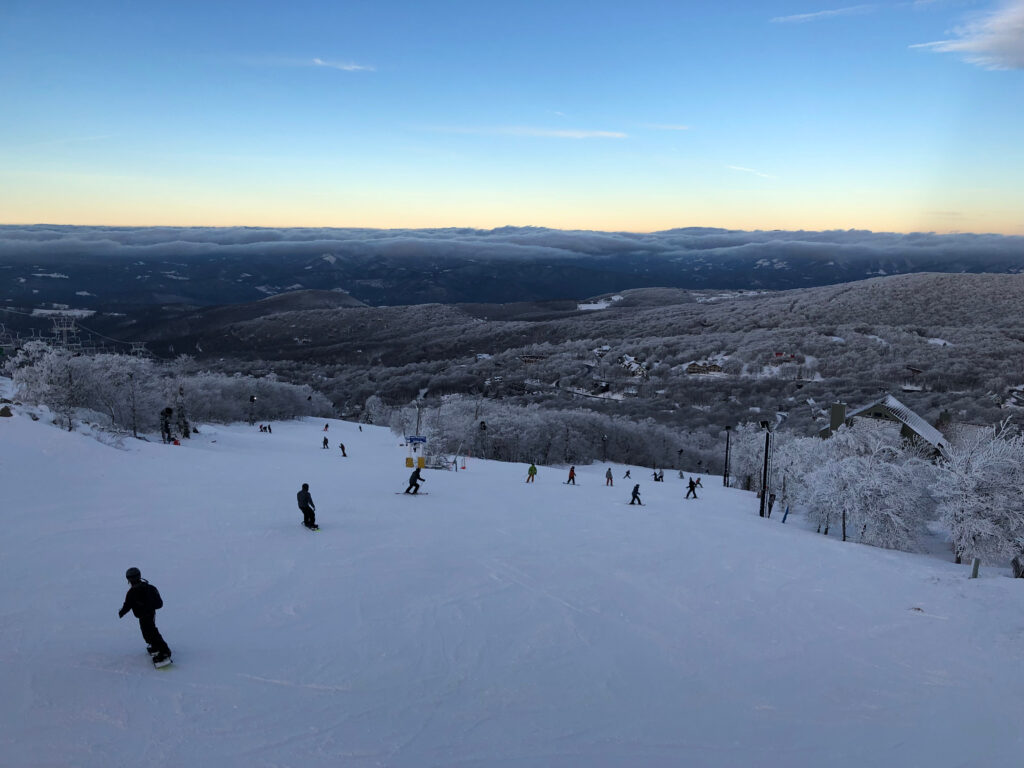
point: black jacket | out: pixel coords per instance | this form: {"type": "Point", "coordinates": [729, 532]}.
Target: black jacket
{"type": "Point", "coordinates": [143, 599]}
{"type": "Point", "coordinates": [305, 500]}
{"type": "Point", "coordinates": [415, 477]}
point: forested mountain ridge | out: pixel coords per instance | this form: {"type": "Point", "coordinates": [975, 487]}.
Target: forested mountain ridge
{"type": "Point", "coordinates": [953, 342]}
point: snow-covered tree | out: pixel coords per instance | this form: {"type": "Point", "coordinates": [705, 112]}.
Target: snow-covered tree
{"type": "Point", "coordinates": [50, 375]}
{"type": "Point", "coordinates": [865, 480]}
{"type": "Point", "coordinates": [979, 490]}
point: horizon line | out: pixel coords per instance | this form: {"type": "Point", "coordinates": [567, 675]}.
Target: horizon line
{"type": "Point", "coordinates": [950, 233]}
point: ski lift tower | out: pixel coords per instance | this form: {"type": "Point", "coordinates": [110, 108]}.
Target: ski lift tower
{"type": "Point", "coordinates": [65, 332]}
{"type": "Point", "coordinates": [139, 349]}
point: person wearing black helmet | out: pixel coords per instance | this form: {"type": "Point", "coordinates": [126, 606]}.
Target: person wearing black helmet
{"type": "Point", "coordinates": [143, 600]}
{"type": "Point", "coordinates": [308, 507]}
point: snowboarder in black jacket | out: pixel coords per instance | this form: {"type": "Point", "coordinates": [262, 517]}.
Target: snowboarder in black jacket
{"type": "Point", "coordinates": [691, 488]}
{"type": "Point", "coordinates": [143, 600]}
{"type": "Point", "coordinates": [414, 481]}
{"type": "Point", "coordinates": [636, 496]}
{"type": "Point", "coordinates": [307, 506]}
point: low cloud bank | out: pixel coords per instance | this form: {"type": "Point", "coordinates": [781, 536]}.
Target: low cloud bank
{"type": "Point", "coordinates": [42, 243]}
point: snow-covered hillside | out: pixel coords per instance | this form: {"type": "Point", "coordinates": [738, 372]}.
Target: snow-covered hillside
{"type": "Point", "coordinates": [489, 623]}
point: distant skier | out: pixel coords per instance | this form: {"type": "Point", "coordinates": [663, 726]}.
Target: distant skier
{"type": "Point", "coordinates": [531, 473]}
{"type": "Point", "coordinates": [308, 507]}
{"type": "Point", "coordinates": [342, 446]}
{"type": "Point", "coordinates": [691, 488]}
{"type": "Point", "coordinates": [572, 476]}
{"type": "Point", "coordinates": [636, 496]}
{"type": "Point", "coordinates": [269, 429]}
{"type": "Point", "coordinates": [143, 600]}
{"type": "Point", "coordinates": [360, 427]}
{"type": "Point", "coordinates": [626, 476]}
{"type": "Point", "coordinates": [325, 443]}
{"type": "Point", "coordinates": [414, 482]}
{"type": "Point", "coordinates": [326, 426]}
{"type": "Point", "coordinates": [608, 477]}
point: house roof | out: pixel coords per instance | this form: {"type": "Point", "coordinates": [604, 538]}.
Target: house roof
{"type": "Point", "coordinates": [904, 415]}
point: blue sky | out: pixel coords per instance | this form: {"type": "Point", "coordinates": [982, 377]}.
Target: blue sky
{"type": "Point", "coordinates": [898, 116]}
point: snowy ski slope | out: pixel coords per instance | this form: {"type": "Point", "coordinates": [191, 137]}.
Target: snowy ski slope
{"type": "Point", "coordinates": [490, 623]}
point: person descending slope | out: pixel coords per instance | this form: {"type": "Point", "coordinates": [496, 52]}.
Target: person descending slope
{"type": "Point", "coordinates": [691, 488]}
{"type": "Point", "coordinates": [326, 445]}
{"type": "Point", "coordinates": [531, 473]}
{"type": "Point", "coordinates": [414, 482]}
{"type": "Point", "coordinates": [608, 477]}
{"type": "Point", "coordinates": [308, 508]}
{"type": "Point", "coordinates": [143, 600]}
{"type": "Point", "coordinates": [572, 476]}
{"type": "Point", "coordinates": [636, 496]}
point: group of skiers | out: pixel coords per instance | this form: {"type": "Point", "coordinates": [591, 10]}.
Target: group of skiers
{"type": "Point", "coordinates": [143, 599]}
{"type": "Point", "coordinates": [609, 480]}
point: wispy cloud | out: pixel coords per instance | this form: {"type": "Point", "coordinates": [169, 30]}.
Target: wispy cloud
{"type": "Point", "coordinates": [801, 18]}
{"type": "Point", "coordinates": [345, 66]}
{"type": "Point", "coordinates": [666, 127]}
{"type": "Point", "coordinates": [993, 41]}
{"type": "Point", "coordinates": [520, 130]}
{"type": "Point", "coordinates": [749, 170]}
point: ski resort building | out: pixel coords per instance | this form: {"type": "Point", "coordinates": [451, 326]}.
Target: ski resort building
{"type": "Point", "coordinates": [888, 408]}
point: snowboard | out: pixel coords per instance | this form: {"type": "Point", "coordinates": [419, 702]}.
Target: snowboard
{"type": "Point", "coordinates": [162, 664]}
{"type": "Point", "coordinates": [314, 530]}
{"type": "Point", "coordinates": [420, 493]}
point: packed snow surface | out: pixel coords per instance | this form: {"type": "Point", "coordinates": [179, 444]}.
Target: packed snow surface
{"type": "Point", "coordinates": [489, 623]}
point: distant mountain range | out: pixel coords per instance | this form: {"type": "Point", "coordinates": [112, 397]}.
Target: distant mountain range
{"type": "Point", "coordinates": [118, 269]}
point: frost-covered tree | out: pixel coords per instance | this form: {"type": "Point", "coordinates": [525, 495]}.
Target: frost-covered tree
{"type": "Point", "coordinates": [865, 480]}
{"type": "Point", "coordinates": [130, 392]}
{"type": "Point", "coordinates": [979, 490]}
{"type": "Point", "coordinates": [125, 389]}
{"type": "Point", "coordinates": [49, 375]}
{"type": "Point", "coordinates": [746, 460]}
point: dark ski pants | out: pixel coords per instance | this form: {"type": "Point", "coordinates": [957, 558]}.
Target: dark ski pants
{"type": "Point", "coordinates": [152, 635]}
{"type": "Point", "coordinates": [636, 500]}
{"type": "Point", "coordinates": [413, 488]}
{"type": "Point", "coordinates": [308, 517]}
{"type": "Point", "coordinates": [693, 491]}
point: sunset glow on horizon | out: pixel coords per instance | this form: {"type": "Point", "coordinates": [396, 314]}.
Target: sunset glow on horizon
{"type": "Point", "coordinates": [898, 116]}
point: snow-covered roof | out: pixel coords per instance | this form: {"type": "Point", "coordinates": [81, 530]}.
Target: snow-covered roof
{"type": "Point", "coordinates": [904, 415]}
